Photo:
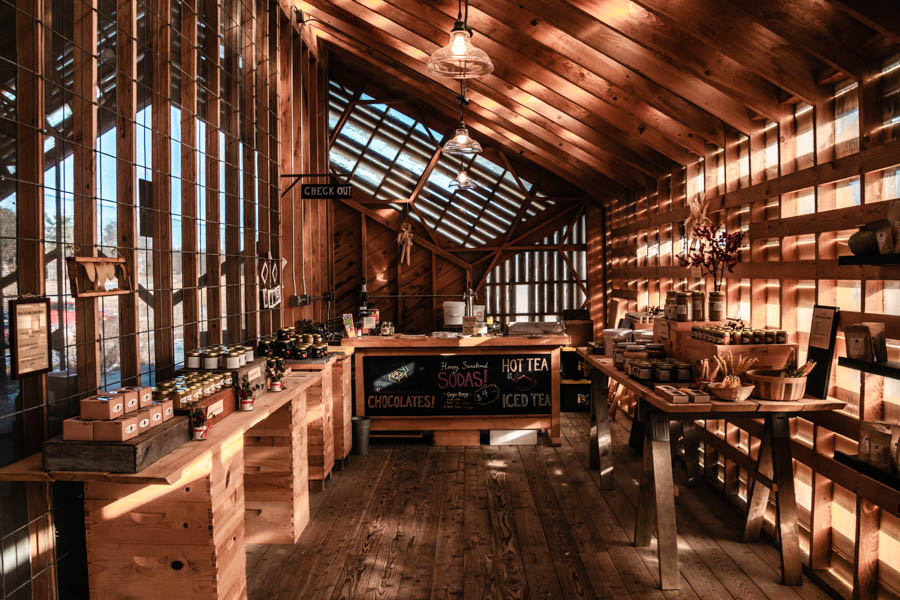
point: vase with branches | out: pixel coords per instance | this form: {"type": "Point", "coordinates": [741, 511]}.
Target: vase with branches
{"type": "Point", "coordinates": [715, 252]}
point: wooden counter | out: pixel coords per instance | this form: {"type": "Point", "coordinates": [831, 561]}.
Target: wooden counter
{"type": "Point", "coordinates": [180, 523]}
{"type": "Point", "coordinates": [320, 409]}
{"type": "Point", "coordinates": [460, 385]}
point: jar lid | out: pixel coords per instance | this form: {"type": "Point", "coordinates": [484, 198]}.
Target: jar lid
{"type": "Point", "coordinates": [194, 353]}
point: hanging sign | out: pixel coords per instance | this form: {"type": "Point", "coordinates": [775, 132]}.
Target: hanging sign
{"type": "Point", "coordinates": [326, 191]}
{"type": "Point", "coordinates": [29, 322]}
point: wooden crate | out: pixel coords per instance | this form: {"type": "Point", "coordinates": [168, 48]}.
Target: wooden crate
{"type": "Point", "coordinates": [276, 471]}
{"type": "Point", "coordinates": [320, 426]}
{"type": "Point", "coordinates": [130, 456]}
{"type": "Point", "coordinates": [672, 334]}
{"type": "Point", "coordinates": [184, 540]}
{"type": "Point", "coordinates": [770, 356]}
{"type": "Point", "coordinates": [342, 402]}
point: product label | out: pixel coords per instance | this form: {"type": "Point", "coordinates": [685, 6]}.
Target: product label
{"type": "Point", "coordinates": [215, 408]}
{"type": "Point", "coordinates": [116, 408]}
{"type": "Point", "coordinates": [130, 428]}
{"type": "Point", "coordinates": [157, 416]}
{"type": "Point", "coordinates": [717, 306]}
{"type": "Point", "coordinates": [145, 423]}
{"type": "Point", "coordinates": [254, 373]}
{"type": "Point", "coordinates": [146, 398]}
{"type": "Point", "coordinates": [681, 309]}
{"type": "Point", "coordinates": [132, 403]}
{"type": "Point", "coordinates": [168, 410]}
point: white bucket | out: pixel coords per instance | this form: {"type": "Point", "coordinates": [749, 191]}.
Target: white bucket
{"type": "Point", "coordinates": [608, 337]}
{"type": "Point", "coordinates": [453, 312]}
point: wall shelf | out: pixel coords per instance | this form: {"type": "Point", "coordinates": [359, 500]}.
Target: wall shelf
{"type": "Point", "coordinates": [889, 368]}
{"type": "Point", "coordinates": [575, 381]}
{"type": "Point", "coordinates": [873, 259]}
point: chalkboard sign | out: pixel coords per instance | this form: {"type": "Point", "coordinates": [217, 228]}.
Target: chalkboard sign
{"type": "Point", "coordinates": [457, 385]}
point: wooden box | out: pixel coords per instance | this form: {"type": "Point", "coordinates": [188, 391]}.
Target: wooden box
{"type": "Point", "coordinates": [218, 406]}
{"type": "Point", "coordinates": [117, 457]}
{"type": "Point", "coordinates": [673, 334]}
{"type": "Point", "coordinates": [254, 370]}
{"type": "Point", "coordinates": [320, 426]}
{"type": "Point", "coordinates": [770, 356]}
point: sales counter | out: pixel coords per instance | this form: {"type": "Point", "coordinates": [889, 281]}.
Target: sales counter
{"type": "Point", "coordinates": [457, 387]}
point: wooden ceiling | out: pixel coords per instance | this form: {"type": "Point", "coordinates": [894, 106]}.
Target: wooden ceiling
{"type": "Point", "coordinates": [611, 93]}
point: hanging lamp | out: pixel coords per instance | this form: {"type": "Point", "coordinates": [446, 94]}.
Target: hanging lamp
{"type": "Point", "coordinates": [462, 143]}
{"type": "Point", "coordinates": [462, 180]}
{"type": "Point", "coordinates": [459, 59]}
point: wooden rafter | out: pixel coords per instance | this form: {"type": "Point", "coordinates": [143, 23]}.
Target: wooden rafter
{"type": "Point", "coordinates": [364, 37]}
{"type": "Point", "coordinates": [736, 35]}
{"type": "Point", "coordinates": [344, 116]}
{"type": "Point", "coordinates": [880, 16]}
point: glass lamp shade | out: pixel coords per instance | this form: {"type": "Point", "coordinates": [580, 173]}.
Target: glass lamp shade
{"type": "Point", "coordinates": [462, 181]}
{"type": "Point", "coordinates": [459, 59]}
{"type": "Point", "coordinates": [462, 143]}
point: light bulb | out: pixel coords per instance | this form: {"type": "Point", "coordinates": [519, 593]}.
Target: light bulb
{"type": "Point", "coordinates": [462, 178]}
{"type": "Point", "coordinates": [461, 138]}
{"type": "Point", "coordinates": [459, 41]}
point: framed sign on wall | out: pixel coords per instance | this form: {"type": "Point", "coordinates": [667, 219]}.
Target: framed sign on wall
{"type": "Point", "coordinates": [29, 328]}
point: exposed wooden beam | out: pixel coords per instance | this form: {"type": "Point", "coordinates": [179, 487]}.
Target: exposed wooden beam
{"type": "Point", "coordinates": [880, 15]}
{"type": "Point", "coordinates": [423, 178]}
{"type": "Point", "coordinates": [190, 272]}
{"type": "Point", "coordinates": [84, 132]}
{"type": "Point", "coordinates": [344, 116]}
{"type": "Point", "coordinates": [683, 52]}
{"type": "Point", "coordinates": [816, 26]}
{"type": "Point", "coordinates": [231, 61]}
{"type": "Point", "coordinates": [126, 194]}
{"type": "Point", "coordinates": [213, 181]}
{"type": "Point", "coordinates": [411, 50]}
{"type": "Point", "coordinates": [736, 35]}
{"type": "Point", "coordinates": [493, 126]}
{"type": "Point", "coordinates": [376, 216]}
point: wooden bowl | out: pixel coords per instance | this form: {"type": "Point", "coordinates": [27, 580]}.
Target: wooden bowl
{"type": "Point", "coordinates": [770, 385]}
{"type": "Point", "coordinates": [730, 394]}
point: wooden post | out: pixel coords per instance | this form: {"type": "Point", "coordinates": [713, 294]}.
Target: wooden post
{"type": "Point", "coordinates": [163, 283]}
{"type": "Point", "coordinates": [263, 146]}
{"type": "Point", "coordinates": [249, 23]}
{"type": "Point", "coordinates": [126, 197]}
{"type": "Point", "coordinates": [233, 296]}
{"type": "Point", "coordinates": [84, 131]}
{"type": "Point", "coordinates": [213, 183]}
{"type": "Point", "coordinates": [190, 274]}
{"type": "Point", "coordinates": [600, 454]}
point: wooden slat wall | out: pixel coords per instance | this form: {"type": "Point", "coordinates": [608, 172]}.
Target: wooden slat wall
{"type": "Point", "coordinates": [786, 185]}
{"type": "Point", "coordinates": [190, 273]}
{"type": "Point", "coordinates": [363, 245]}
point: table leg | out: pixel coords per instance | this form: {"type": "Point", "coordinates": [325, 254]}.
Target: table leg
{"type": "Point", "coordinates": [657, 490]}
{"type": "Point", "coordinates": [786, 501]}
{"type": "Point", "coordinates": [600, 453]}
{"type": "Point", "coordinates": [691, 445]}
{"type": "Point", "coordinates": [183, 540]}
{"type": "Point", "coordinates": [759, 495]}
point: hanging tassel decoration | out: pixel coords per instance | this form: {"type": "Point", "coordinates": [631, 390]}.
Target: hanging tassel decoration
{"type": "Point", "coordinates": [405, 241]}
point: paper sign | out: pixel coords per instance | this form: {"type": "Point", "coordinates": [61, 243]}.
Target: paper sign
{"type": "Point", "coordinates": [822, 324]}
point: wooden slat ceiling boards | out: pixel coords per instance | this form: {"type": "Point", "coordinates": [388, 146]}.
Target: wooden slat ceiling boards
{"type": "Point", "coordinates": [605, 93]}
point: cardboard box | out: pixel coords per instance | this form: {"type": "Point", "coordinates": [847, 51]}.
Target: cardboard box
{"type": "Point", "coordinates": [145, 395]}
{"type": "Point", "coordinates": [143, 420]}
{"type": "Point", "coordinates": [884, 235]}
{"type": "Point", "coordinates": [130, 396]}
{"type": "Point", "coordinates": [156, 414]}
{"type": "Point", "coordinates": [879, 341]}
{"type": "Point", "coordinates": [168, 410]}
{"type": "Point", "coordinates": [105, 407]}
{"type": "Point", "coordinates": [76, 429]}
{"type": "Point", "coordinates": [119, 430]}
{"type": "Point", "coordinates": [859, 343]}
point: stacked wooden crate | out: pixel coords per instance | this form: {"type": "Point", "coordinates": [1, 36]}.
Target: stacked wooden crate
{"type": "Point", "coordinates": [342, 407]}
{"type": "Point", "coordinates": [320, 425]}
{"type": "Point", "coordinates": [276, 472]}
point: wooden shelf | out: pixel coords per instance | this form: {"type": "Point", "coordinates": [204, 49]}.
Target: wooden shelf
{"type": "Point", "coordinates": [889, 368]}
{"type": "Point", "coordinates": [852, 461]}
{"type": "Point", "coordinates": [873, 259]}
{"type": "Point", "coordinates": [575, 381]}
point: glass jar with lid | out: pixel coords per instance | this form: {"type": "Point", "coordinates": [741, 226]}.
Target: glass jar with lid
{"type": "Point", "coordinates": [233, 360]}
{"type": "Point", "coordinates": [656, 351]}
{"type": "Point", "coordinates": [663, 371]}
{"type": "Point", "coordinates": [683, 306]}
{"type": "Point", "coordinates": [248, 354]}
{"type": "Point", "coordinates": [192, 359]}
{"type": "Point", "coordinates": [211, 360]}
{"type": "Point", "coordinates": [636, 352]}
{"type": "Point", "coordinates": [698, 299]}
{"type": "Point", "coordinates": [642, 370]}
{"type": "Point", "coordinates": [683, 370]}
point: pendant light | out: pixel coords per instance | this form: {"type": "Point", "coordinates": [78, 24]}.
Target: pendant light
{"type": "Point", "coordinates": [462, 143]}
{"type": "Point", "coordinates": [459, 59]}
{"type": "Point", "coordinates": [462, 180]}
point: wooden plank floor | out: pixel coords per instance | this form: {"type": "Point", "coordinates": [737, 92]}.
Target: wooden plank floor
{"type": "Point", "coordinates": [412, 521]}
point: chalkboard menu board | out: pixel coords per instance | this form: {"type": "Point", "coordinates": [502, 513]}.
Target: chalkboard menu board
{"type": "Point", "coordinates": [457, 385]}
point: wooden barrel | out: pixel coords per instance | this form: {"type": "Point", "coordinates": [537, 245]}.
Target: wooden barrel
{"type": "Point", "coordinates": [770, 385]}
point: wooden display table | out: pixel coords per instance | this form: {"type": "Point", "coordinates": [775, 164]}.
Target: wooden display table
{"type": "Point", "coordinates": [656, 488]}
{"type": "Point", "coordinates": [319, 416]}
{"type": "Point", "coordinates": [178, 526]}
{"type": "Point", "coordinates": [459, 385]}
{"type": "Point", "coordinates": [341, 399]}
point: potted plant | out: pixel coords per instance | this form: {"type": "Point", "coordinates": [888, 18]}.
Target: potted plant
{"type": "Point", "coordinates": [275, 367]}
{"type": "Point", "coordinates": [199, 424]}
{"type": "Point", "coordinates": [714, 251]}
{"type": "Point", "coordinates": [245, 395]}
